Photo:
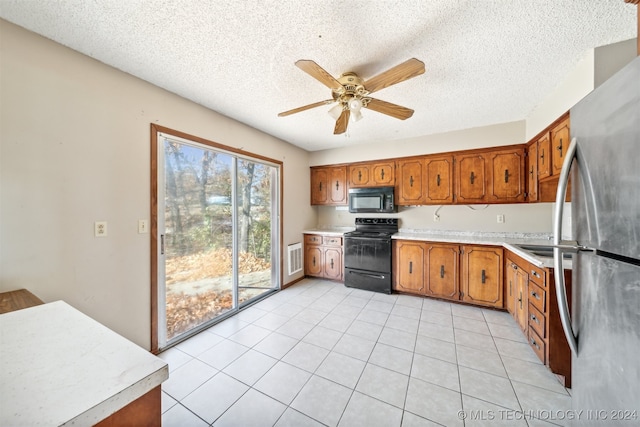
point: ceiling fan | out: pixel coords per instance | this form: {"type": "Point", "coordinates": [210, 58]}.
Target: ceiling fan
{"type": "Point", "coordinates": [351, 93]}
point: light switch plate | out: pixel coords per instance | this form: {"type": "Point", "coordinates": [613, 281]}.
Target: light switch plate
{"type": "Point", "coordinates": [143, 226]}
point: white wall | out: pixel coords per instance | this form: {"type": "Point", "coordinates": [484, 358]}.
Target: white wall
{"type": "Point", "coordinates": [74, 149]}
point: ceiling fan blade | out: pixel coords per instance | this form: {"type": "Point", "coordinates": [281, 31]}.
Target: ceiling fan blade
{"type": "Point", "coordinates": [318, 73]}
{"type": "Point", "coordinates": [408, 69]}
{"type": "Point", "coordinates": [342, 122]}
{"type": "Point", "coordinates": [393, 110]}
{"type": "Point", "coordinates": [306, 107]}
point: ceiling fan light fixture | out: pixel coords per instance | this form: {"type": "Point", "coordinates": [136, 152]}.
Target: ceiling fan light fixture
{"type": "Point", "coordinates": [336, 110]}
{"type": "Point", "coordinates": [355, 104]}
{"type": "Point", "coordinates": [356, 115]}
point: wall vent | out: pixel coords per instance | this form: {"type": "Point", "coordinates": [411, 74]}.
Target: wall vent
{"type": "Point", "coordinates": [295, 258]}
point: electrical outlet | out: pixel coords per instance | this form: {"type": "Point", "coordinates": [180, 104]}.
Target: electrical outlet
{"type": "Point", "coordinates": [143, 226]}
{"type": "Point", "coordinates": [436, 218]}
{"type": "Point", "coordinates": [100, 228]}
{"type": "Point", "coordinates": [500, 218]}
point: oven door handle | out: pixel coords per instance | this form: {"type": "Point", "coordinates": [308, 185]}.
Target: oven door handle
{"type": "Point", "coordinates": [375, 276]}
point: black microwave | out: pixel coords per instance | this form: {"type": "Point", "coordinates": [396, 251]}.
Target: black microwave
{"type": "Point", "coordinates": [371, 200]}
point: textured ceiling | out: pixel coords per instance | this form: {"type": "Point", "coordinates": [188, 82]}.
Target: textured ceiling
{"type": "Point", "coordinates": [487, 61]}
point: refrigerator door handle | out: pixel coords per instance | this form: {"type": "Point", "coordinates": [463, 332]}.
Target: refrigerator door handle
{"type": "Point", "coordinates": [561, 291]}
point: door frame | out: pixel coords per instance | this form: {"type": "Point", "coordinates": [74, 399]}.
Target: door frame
{"type": "Point", "coordinates": [154, 237]}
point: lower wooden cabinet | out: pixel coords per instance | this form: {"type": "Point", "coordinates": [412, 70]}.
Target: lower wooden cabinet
{"type": "Point", "coordinates": [439, 270]}
{"type": "Point", "coordinates": [530, 297]}
{"type": "Point", "coordinates": [482, 275]}
{"type": "Point", "coordinates": [323, 256]}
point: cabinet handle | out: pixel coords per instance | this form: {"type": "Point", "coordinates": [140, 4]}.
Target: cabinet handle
{"type": "Point", "coordinates": [314, 261]}
{"type": "Point", "coordinates": [321, 186]}
{"type": "Point", "coordinates": [359, 175]}
{"type": "Point", "coordinates": [332, 263]}
{"type": "Point", "coordinates": [535, 273]}
{"type": "Point", "coordinates": [337, 185]}
{"type": "Point", "coordinates": [484, 276]}
{"type": "Point", "coordinates": [534, 343]}
{"type": "Point", "coordinates": [535, 295]}
{"type": "Point", "coordinates": [438, 180]}
{"type": "Point", "coordinates": [382, 174]}
{"type": "Point", "coordinates": [442, 271]}
{"type": "Point", "coordinates": [515, 267]}
{"type": "Point", "coordinates": [520, 300]}
{"type": "Point", "coordinates": [411, 181]}
{"type": "Point", "coordinates": [535, 319]}
{"type": "Point", "coordinates": [542, 156]}
{"type": "Point", "coordinates": [410, 267]}
{"type": "Point", "coordinates": [510, 288]}
{"type": "Point", "coordinates": [531, 172]}
{"type": "Point", "coordinates": [472, 177]}
{"type": "Point", "coordinates": [506, 175]}
{"type": "Point", "coordinates": [559, 147]}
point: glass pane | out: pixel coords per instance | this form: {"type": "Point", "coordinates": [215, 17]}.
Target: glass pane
{"type": "Point", "coordinates": [198, 236]}
{"type": "Point", "coordinates": [254, 207]}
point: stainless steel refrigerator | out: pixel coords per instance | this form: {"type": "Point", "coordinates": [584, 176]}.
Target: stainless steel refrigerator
{"type": "Point", "coordinates": [603, 328]}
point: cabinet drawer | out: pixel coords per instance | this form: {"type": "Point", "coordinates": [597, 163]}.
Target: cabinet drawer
{"type": "Point", "coordinates": [537, 321]}
{"type": "Point", "coordinates": [538, 297]}
{"type": "Point", "coordinates": [538, 345]}
{"type": "Point", "coordinates": [312, 239]}
{"type": "Point", "coordinates": [332, 241]}
{"type": "Point", "coordinates": [538, 275]}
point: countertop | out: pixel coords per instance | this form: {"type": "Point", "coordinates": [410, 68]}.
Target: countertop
{"type": "Point", "coordinates": [508, 240]}
{"type": "Point", "coordinates": [60, 367]}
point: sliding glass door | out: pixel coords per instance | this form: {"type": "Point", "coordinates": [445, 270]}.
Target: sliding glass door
{"type": "Point", "coordinates": [217, 222]}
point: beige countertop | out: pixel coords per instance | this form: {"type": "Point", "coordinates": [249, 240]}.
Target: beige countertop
{"type": "Point", "coordinates": [508, 240]}
{"type": "Point", "coordinates": [60, 367]}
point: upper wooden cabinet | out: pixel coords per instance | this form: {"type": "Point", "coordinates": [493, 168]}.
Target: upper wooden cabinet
{"type": "Point", "coordinates": [410, 187]}
{"type": "Point", "coordinates": [543, 153]}
{"type": "Point", "coordinates": [506, 182]}
{"type": "Point", "coordinates": [372, 174]}
{"type": "Point", "coordinates": [328, 185]}
{"type": "Point", "coordinates": [559, 145]}
{"type": "Point", "coordinates": [471, 178]}
{"type": "Point", "coordinates": [549, 147]}
{"type": "Point", "coordinates": [532, 172]}
{"type": "Point", "coordinates": [481, 275]}
{"type": "Point", "coordinates": [439, 176]}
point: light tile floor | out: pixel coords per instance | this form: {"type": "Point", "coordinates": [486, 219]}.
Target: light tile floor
{"type": "Point", "coordinates": [319, 353]}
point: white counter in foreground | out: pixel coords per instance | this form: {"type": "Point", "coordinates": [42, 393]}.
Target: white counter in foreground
{"type": "Point", "coordinates": [60, 367]}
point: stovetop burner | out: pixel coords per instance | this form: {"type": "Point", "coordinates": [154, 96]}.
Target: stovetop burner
{"type": "Point", "coordinates": [374, 227]}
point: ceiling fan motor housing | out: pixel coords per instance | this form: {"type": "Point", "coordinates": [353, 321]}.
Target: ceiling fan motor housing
{"type": "Point", "coordinates": [352, 87]}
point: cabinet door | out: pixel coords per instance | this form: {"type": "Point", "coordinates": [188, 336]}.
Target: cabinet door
{"type": "Point", "coordinates": [313, 261]}
{"type": "Point", "coordinates": [410, 182]}
{"type": "Point", "coordinates": [442, 271]}
{"type": "Point", "coordinates": [439, 174]}
{"type": "Point", "coordinates": [544, 156]}
{"type": "Point", "coordinates": [471, 178]}
{"type": "Point", "coordinates": [409, 266]}
{"type": "Point", "coordinates": [521, 305]}
{"type": "Point", "coordinates": [359, 175]}
{"type": "Point", "coordinates": [319, 179]}
{"type": "Point", "coordinates": [507, 176]}
{"type": "Point", "coordinates": [482, 275]}
{"type": "Point", "coordinates": [383, 174]}
{"type": "Point", "coordinates": [559, 145]}
{"type": "Point", "coordinates": [510, 287]}
{"type": "Point", "coordinates": [532, 172]}
{"type": "Point", "coordinates": [333, 263]}
{"type": "Point", "coordinates": [337, 188]}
